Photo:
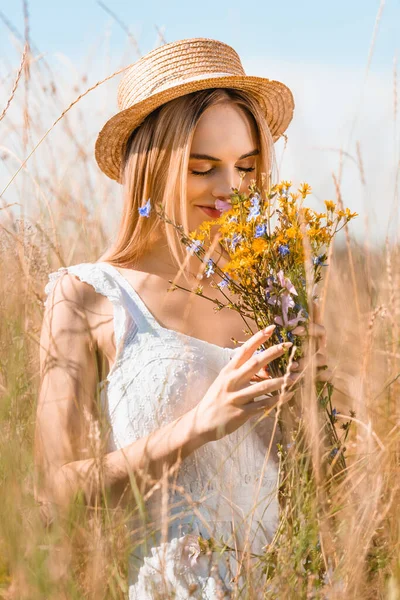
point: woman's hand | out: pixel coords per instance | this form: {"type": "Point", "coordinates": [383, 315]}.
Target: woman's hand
{"type": "Point", "coordinates": [232, 399]}
{"type": "Point", "coordinates": [317, 330]}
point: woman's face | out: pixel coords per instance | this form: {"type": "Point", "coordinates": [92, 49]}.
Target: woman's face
{"type": "Point", "coordinates": [224, 144]}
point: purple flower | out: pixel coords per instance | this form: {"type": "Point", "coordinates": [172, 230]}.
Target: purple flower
{"type": "Point", "coordinates": [209, 268]}
{"type": "Point", "coordinates": [286, 283]}
{"type": "Point", "coordinates": [287, 303]}
{"type": "Point", "coordinates": [260, 230]}
{"type": "Point", "coordinates": [334, 452]}
{"type": "Point", "coordinates": [222, 284]}
{"type": "Point", "coordinates": [283, 250]}
{"type": "Point", "coordinates": [194, 246]}
{"type": "Point", "coordinates": [222, 205]}
{"type": "Point", "coordinates": [286, 322]}
{"type": "Point", "coordinates": [145, 210]}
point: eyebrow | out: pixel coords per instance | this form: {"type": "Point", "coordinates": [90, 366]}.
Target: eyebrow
{"type": "Point", "coordinates": [207, 157]}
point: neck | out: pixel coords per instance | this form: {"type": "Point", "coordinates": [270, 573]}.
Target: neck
{"type": "Point", "coordinates": [159, 260]}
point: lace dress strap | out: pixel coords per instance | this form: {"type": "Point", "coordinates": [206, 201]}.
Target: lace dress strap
{"type": "Point", "coordinates": [105, 284]}
{"type": "Point", "coordinates": [142, 315]}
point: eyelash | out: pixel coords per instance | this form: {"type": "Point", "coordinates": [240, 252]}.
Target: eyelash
{"type": "Point", "coordinates": [210, 170]}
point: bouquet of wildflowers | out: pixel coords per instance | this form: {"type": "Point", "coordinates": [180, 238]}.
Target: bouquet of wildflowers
{"type": "Point", "coordinates": [277, 249]}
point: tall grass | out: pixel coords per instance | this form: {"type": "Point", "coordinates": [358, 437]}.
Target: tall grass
{"type": "Point", "coordinates": [340, 534]}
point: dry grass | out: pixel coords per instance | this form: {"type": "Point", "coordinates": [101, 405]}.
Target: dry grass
{"type": "Point", "coordinates": [59, 220]}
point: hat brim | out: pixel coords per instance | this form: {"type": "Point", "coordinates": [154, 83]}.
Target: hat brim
{"type": "Point", "coordinates": [275, 98]}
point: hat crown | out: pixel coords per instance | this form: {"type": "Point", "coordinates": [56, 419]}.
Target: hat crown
{"type": "Point", "coordinates": [175, 63]}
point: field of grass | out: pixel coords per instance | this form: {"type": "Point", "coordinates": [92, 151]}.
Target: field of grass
{"type": "Point", "coordinates": [340, 535]}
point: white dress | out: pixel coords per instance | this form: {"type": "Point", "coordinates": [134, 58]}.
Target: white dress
{"type": "Point", "coordinates": [226, 489]}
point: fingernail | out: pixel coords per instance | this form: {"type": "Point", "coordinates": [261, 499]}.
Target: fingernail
{"type": "Point", "coordinates": [269, 329]}
{"type": "Point", "coordinates": [287, 344]}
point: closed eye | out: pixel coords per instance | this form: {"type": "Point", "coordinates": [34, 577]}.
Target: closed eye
{"type": "Point", "coordinates": [248, 170]}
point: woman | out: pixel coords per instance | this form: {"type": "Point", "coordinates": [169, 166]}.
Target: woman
{"type": "Point", "coordinates": [183, 404]}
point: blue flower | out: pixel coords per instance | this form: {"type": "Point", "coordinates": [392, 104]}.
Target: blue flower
{"type": "Point", "coordinates": [283, 250]}
{"type": "Point", "coordinates": [235, 240]}
{"type": "Point", "coordinates": [145, 210]}
{"type": "Point", "coordinates": [194, 246]}
{"type": "Point", "coordinates": [319, 261]}
{"type": "Point", "coordinates": [334, 451]}
{"type": "Point", "coordinates": [222, 284]}
{"type": "Point", "coordinates": [334, 412]}
{"type": "Point", "coordinates": [260, 230]}
{"type": "Point", "coordinates": [290, 336]}
{"type": "Point", "coordinates": [253, 212]}
{"type": "Point", "coordinates": [209, 268]}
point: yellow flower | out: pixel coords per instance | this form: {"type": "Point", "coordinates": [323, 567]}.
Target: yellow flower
{"type": "Point", "coordinates": [330, 205]}
{"type": "Point", "coordinates": [292, 232]}
{"type": "Point", "coordinates": [286, 184]}
{"type": "Point", "coordinates": [259, 245]}
{"type": "Point", "coordinates": [350, 215]}
{"type": "Point", "coordinates": [305, 189]}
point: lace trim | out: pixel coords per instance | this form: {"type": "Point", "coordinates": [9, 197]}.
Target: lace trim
{"type": "Point", "coordinates": [179, 569]}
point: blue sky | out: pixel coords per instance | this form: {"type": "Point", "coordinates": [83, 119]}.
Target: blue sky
{"type": "Point", "coordinates": [318, 48]}
{"type": "Point", "coordinates": [336, 32]}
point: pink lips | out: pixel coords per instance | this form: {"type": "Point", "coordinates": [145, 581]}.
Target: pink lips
{"type": "Point", "coordinates": [211, 212]}
{"type": "Point", "coordinates": [221, 206]}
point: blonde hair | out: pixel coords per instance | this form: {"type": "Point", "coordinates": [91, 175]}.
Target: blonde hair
{"type": "Point", "coordinates": [155, 166]}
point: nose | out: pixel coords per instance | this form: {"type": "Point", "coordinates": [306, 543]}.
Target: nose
{"type": "Point", "coordinates": [227, 179]}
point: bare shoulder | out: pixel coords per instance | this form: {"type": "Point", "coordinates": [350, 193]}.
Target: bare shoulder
{"type": "Point", "coordinates": [69, 289]}
{"type": "Point", "coordinates": [74, 309]}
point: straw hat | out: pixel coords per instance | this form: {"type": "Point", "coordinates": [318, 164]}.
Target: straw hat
{"type": "Point", "coordinates": [176, 69]}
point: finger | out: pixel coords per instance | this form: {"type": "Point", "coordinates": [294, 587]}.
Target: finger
{"type": "Point", "coordinates": [299, 330]}
{"type": "Point", "coordinates": [263, 373]}
{"type": "Point", "coordinates": [250, 346]}
{"type": "Point", "coordinates": [320, 360]}
{"type": "Point", "coordinates": [265, 387]}
{"type": "Point", "coordinates": [326, 375]}
{"type": "Point", "coordinates": [314, 329]}
{"type": "Point", "coordinates": [256, 361]}
{"type": "Point", "coordinates": [267, 403]}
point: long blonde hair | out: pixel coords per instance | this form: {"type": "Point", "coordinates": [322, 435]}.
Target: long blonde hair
{"type": "Point", "coordinates": [155, 166]}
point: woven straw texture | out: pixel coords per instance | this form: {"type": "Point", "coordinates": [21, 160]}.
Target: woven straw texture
{"type": "Point", "coordinates": [174, 70]}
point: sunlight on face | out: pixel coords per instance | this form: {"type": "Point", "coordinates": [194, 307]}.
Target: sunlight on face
{"type": "Point", "coordinates": [224, 144]}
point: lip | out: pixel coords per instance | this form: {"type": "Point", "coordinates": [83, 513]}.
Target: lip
{"type": "Point", "coordinates": [210, 211]}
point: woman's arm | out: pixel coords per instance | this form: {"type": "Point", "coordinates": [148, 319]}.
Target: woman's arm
{"type": "Point", "coordinates": [67, 396]}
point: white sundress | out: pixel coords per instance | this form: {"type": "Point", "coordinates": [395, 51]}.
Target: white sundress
{"type": "Point", "coordinates": [227, 489]}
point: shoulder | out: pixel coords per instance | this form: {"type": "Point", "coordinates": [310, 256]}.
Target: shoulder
{"type": "Point", "coordinates": [73, 304]}
{"type": "Point", "coordinates": [66, 287]}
